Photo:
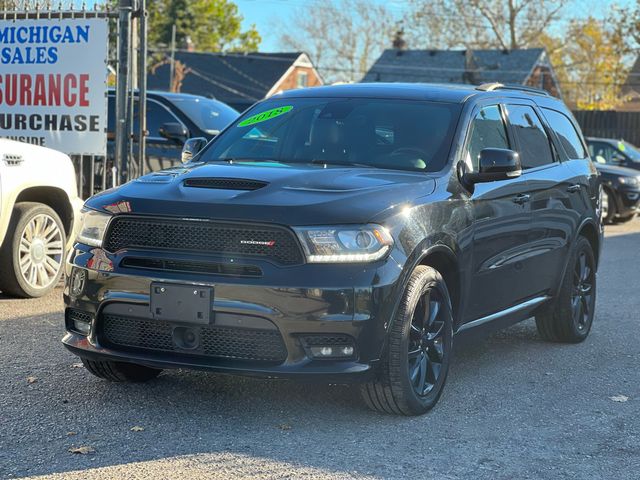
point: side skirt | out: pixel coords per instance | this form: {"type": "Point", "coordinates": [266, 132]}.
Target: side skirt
{"type": "Point", "coordinates": [504, 318]}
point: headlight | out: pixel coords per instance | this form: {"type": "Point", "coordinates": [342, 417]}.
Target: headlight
{"type": "Point", "coordinates": [93, 227]}
{"type": "Point", "coordinates": [344, 244]}
{"type": "Point", "coordinates": [628, 180]}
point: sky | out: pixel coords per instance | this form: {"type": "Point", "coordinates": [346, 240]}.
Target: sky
{"type": "Point", "coordinates": [271, 16]}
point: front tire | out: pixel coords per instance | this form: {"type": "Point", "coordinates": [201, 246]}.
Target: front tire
{"type": "Point", "coordinates": [608, 207]}
{"type": "Point", "coordinates": [415, 367]}
{"type": "Point", "coordinates": [570, 317]}
{"type": "Point", "coordinates": [32, 254]}
{"type": "Point", "coordinates": [120, 371]}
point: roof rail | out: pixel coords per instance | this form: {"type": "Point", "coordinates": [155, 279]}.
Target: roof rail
{"type": "Point", "coordinates": [490, 87]}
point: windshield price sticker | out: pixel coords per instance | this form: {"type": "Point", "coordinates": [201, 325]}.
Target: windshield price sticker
{"type": "Point", "coordinates": [264, 116]}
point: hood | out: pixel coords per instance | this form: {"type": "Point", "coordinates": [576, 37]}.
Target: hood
{"type": "Point", "coordinates": [267, 192]}
{"type": "Point", "coordinates": [615, 170]}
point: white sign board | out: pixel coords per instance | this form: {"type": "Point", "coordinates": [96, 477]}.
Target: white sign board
{"type": "Point", "coordinates": [53, 83]}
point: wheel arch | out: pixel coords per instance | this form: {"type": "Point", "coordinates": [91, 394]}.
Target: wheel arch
{"type": "Point", "coordinates": [589, 230]}
{"type": "Point", "coordinates": [55, 198]}
{"type": "Point", "coordinates": [444, 260]}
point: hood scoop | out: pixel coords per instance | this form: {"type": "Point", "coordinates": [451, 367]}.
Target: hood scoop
{"type": "Point", "coordinates": [225, 183]}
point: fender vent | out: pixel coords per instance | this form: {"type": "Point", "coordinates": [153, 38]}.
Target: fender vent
{"type": "Point", "coordinates": [225, 183]}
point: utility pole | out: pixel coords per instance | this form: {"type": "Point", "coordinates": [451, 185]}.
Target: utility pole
{"type": "Point", "coordinates": [142, 86]}
{"type": "Point", "coordinates": [172, 63]}
{"type": "Point", "coordinates": [122, 88]}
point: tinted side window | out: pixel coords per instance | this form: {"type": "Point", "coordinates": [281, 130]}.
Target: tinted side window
{"type": "Point", "coordinates": [487, 131]}
{"type": "Point", "coordinates": [533, 142]}
{"type": "Point", "coordinates": [567, 133]}
{"type": "Point", "coordinates": [157, 115]}
{"type": "Point", "coordinates": [602, 152]}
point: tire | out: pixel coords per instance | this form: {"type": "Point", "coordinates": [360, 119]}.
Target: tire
{"type": "Point", "coordinates": [626, 219]}
{"type": "Point", "coordinates": [570, 317]}
{"type": "Point", "coordinates": [120, 371]}
{"type": "Point", "coordinates": [412, 353]}
{"type": "Point", "coordinates": [609, 213]}
{"type": "Point", "coordinates": [32, 254]}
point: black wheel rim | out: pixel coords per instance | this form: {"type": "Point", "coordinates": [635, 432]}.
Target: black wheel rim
{"type": "Point", "coordinates": [426, 342]}
{"type": "Point", "coordinates": [583, 290]}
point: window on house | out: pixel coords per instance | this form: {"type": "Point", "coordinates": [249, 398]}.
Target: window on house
{"type": "Point", "coordinates": [303, 79]}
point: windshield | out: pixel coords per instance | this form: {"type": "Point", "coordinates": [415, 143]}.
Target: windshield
{"type": "Point", "coordinates": [382, 133]}
{"type": "Point", "coordinates": [209, 115]}
{"type": "Point", "coordinates": [630, 150]}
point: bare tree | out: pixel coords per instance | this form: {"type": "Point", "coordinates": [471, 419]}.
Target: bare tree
{"type": "Point", "coordinates": [504, 24]}
{"type": "Point", "coordinates": [342, 37]}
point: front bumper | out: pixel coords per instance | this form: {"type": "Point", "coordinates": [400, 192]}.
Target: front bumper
{"type": "Point", "coordinates": [355, 301]}
{"type": "Point", "coordinates": [628, 201]}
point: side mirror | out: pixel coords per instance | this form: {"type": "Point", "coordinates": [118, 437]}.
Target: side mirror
{"type": "Point", "coordinates": [191, 147]}
{"type": "Point", "coordinates": [174, 131]}
{"type": "Point", "coordinates": [496, 164]}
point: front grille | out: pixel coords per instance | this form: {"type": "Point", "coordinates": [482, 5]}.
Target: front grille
{"type": "Point", "coordinates": [208, 268]}
{"type": "Point", "coordinates": [334, 339]}
{"type": "Point", "coordinates": [225, 183]}
{"type": "Point", "coordinates": [220, 342]}
{"type": "Point", "coordinates": [74, 315]}
{"type": "Point", "coordinates": [229, 239]}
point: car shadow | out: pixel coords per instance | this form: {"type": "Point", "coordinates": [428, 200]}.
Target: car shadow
{"type": "Point", "coordinates": [319, 426]}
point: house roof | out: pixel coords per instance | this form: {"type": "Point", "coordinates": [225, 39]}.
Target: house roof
{"type": "Point", "coordinates": [455, 66]}
{"type": "Point", "coordinates": [234, 78]}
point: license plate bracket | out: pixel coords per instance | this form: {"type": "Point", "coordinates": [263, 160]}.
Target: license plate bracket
{"type": "Point", "coordinates": [181, 303]}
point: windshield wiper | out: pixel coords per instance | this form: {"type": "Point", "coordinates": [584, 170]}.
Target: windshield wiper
{"type": "Point", "coordinates": [316, 161]}
{"type": "Point", "coordinates": [244, 159]}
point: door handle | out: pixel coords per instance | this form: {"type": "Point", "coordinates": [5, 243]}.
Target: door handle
{"type": "Point", "coordinates": [522, 198]}
{"type": "Point", "coordinates": [574, 188]}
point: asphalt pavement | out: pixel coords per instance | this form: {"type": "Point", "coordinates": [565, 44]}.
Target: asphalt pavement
{"type": "Point", "coordinates": [514, 407]}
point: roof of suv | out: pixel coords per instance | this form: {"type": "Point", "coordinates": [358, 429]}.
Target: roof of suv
{"type": "Point", "coordinates": [454, 93]}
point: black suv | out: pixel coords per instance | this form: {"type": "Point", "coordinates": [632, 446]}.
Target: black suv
{"type": "Point", "coordinates": [345, 234]}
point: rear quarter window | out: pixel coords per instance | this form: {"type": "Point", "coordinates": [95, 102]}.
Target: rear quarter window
{"type": "Point", "coordinates": [567, 133]}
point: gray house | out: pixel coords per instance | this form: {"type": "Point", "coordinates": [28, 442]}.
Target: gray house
{"type": "Point", "coordinates": [529, 66]}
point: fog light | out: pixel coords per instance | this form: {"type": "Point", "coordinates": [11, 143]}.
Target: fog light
{"type": "Point", "coordinates": [78, 321]}
{"type": "Point", "coordinates": [331, 346]}
{"type": "Point", "coordinates": [81, 327]}
{"type": "Point", "coordinates": [346, 351]}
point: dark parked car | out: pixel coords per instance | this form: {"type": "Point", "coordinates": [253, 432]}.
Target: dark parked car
{"type": "Point", "coordinates": [610, 151]}
{"type": "Point", "coordinates": [621, 192]}
{"type": "Point", "coordinates": [172, 118]}
{"type": "Point", "coordinates": [344, 234]}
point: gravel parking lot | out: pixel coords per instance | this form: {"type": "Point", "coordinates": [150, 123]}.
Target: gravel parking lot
{"type": "Point", "coordinates": [514, 407]}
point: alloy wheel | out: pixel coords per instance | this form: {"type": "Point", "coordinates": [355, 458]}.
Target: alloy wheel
{"type": "Point", "coordinates": [582, 295]}
{"type": "Point", "coordinates": [426, 345]}
{"type": "Point", "coordinates": [40, 251]}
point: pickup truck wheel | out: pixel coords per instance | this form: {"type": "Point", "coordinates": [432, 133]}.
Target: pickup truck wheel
{"type": "Point", "coordinates": [570, 317]}
{"type": "Point", "coordinates": [32, 254]}
{"type": "Point", "coordinates": [120, 371]}
{"type": "Point", "coordinates": [414, 370]}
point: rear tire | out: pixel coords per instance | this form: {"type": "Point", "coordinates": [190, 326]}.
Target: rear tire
{"type": "Point", "coordinates": [120, 371]}
{"type": "Point", "coordinates": [32, 253]}
{"type": "Point", "coordinates": [570, 317]}
{"type": "Point", "coordinates": [414, 370]}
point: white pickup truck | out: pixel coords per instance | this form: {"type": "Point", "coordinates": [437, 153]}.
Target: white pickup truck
{"type": "Point", "coordinates": [39, 215]}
